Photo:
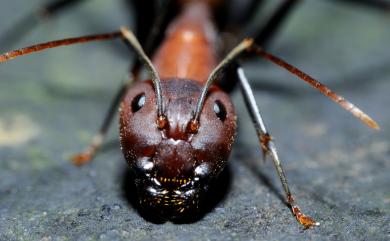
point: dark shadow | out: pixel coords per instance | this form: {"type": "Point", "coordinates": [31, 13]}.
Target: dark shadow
{"type": "Point", "coordinates": [218, 192]}
{"type": "Point", "coordinates": [381, 5]}
{"type": "Point", "coordinates": [215, 195]}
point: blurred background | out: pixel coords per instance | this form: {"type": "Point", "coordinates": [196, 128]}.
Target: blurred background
{"type": "Point", "coordinates": [52, 103]}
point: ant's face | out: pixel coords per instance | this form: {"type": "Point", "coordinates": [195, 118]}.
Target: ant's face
{"type": "Point", "coordinates": [173, 166]}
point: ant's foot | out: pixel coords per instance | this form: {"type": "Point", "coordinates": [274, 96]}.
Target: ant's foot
{"type": "Point", "coordinates": [306, 221]}
{"type": "Point", "coordinates": [81, 158]}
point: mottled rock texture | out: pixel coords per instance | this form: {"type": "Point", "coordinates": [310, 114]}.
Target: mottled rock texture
{"type": "Point", "coordinates": [52, 103]}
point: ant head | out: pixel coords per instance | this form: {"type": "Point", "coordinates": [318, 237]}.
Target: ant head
{"type": "Point", "coordinates": [175, 165]}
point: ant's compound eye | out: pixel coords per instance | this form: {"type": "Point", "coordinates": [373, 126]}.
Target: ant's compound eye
{"type": "Point", "coordinates": [138, 102]}
{"type": "Point", "coordinates": [220, 110]}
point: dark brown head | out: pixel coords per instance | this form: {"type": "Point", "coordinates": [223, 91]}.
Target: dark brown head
{"type": "Point", "coordinates": [174, 166]}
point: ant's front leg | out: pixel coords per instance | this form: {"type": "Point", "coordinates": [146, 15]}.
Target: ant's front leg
{"type": "Point", "coordinates": [281, 13]}
{"type": "Point", "coordinates": [265, 139]}
{"type": "Point", "coordinates": [129, 39]}
{"type": "Point", "coordinates": [274, 23]}
{"type": "Point", "coordinates": [378, 4]}
{"type": "Point", "coordinates": [87, 155]}
{"type": "Point", "coordinates": [268, 146]}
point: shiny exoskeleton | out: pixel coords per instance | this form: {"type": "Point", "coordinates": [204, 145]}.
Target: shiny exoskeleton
{"type": "Point", "coordinates": [177, 128]}
{"type": "Point", "coordinates": [174, 165]}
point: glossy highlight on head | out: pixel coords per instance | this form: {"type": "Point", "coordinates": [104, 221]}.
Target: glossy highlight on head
{"type": "Point", "coordinates": [173, 166]}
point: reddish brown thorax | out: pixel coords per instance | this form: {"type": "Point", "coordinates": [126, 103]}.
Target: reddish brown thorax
{"type": "Point", "coordinates": [188, 50]}
{"type": "Point", "coordinates": [176, 161]}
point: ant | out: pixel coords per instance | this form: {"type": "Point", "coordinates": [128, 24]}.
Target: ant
{"type": "Point", "coordinates": [177, 128]}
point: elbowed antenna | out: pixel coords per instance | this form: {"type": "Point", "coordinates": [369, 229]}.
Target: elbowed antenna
{"type": "Point", "coordinates": [240, 48]}
{"type": "Point", "coordinates": [124, 33]}
{"type": "Point", "coordinates": [319, 86]}
{"type": "Point", "coordinates": [57, 43]}
{"type": "Point", "coordinates": [251, 47]}
{"type": "Point", "coordinates": [132, 40]}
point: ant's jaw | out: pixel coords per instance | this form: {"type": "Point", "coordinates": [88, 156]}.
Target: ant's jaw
{"type": "Point", "coordinates": [160, 200]}
{"type": "Point", "coordinates": [171, 198]}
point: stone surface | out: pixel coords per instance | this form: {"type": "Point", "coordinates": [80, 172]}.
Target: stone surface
{"type": "Point", "coordinates": [52, 103]}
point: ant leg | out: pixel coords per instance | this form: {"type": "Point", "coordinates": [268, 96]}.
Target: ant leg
{"type": "Point", "coordinates": [378, 4]}
{"type": "Point", "coordinates": [87, 155]}
{"type": "Point", "coordinates": [53, 8]}
{"type": "Point", "coordinates": [235, 14]}
{"type": "Point", "coordinates": [58, 43]}
{"type": "Point", "coordinates": [28, 22]}
{"type": "Point", "coordinates": [268, 146]}
{"type": "Point", "coordinates": [97, 140]}
{"type": "Point", "coordinates": [354, 110]}
{"type": "Point", "coordinates": [128, 38]}
{"type": "Point", "coordinates": [248, 45]}
{"type": "Point", "coordinates": [274, 22]}
{"type": "Point", "coordinates": [281, 13]}
{"type": "Point", "coordinates": [151, 19]}
{"type": "Point", "coordinates": [150, 30]}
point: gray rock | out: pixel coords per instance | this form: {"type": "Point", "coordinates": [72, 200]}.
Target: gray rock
{"type": "Point", "coordinates": [52, 103]}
